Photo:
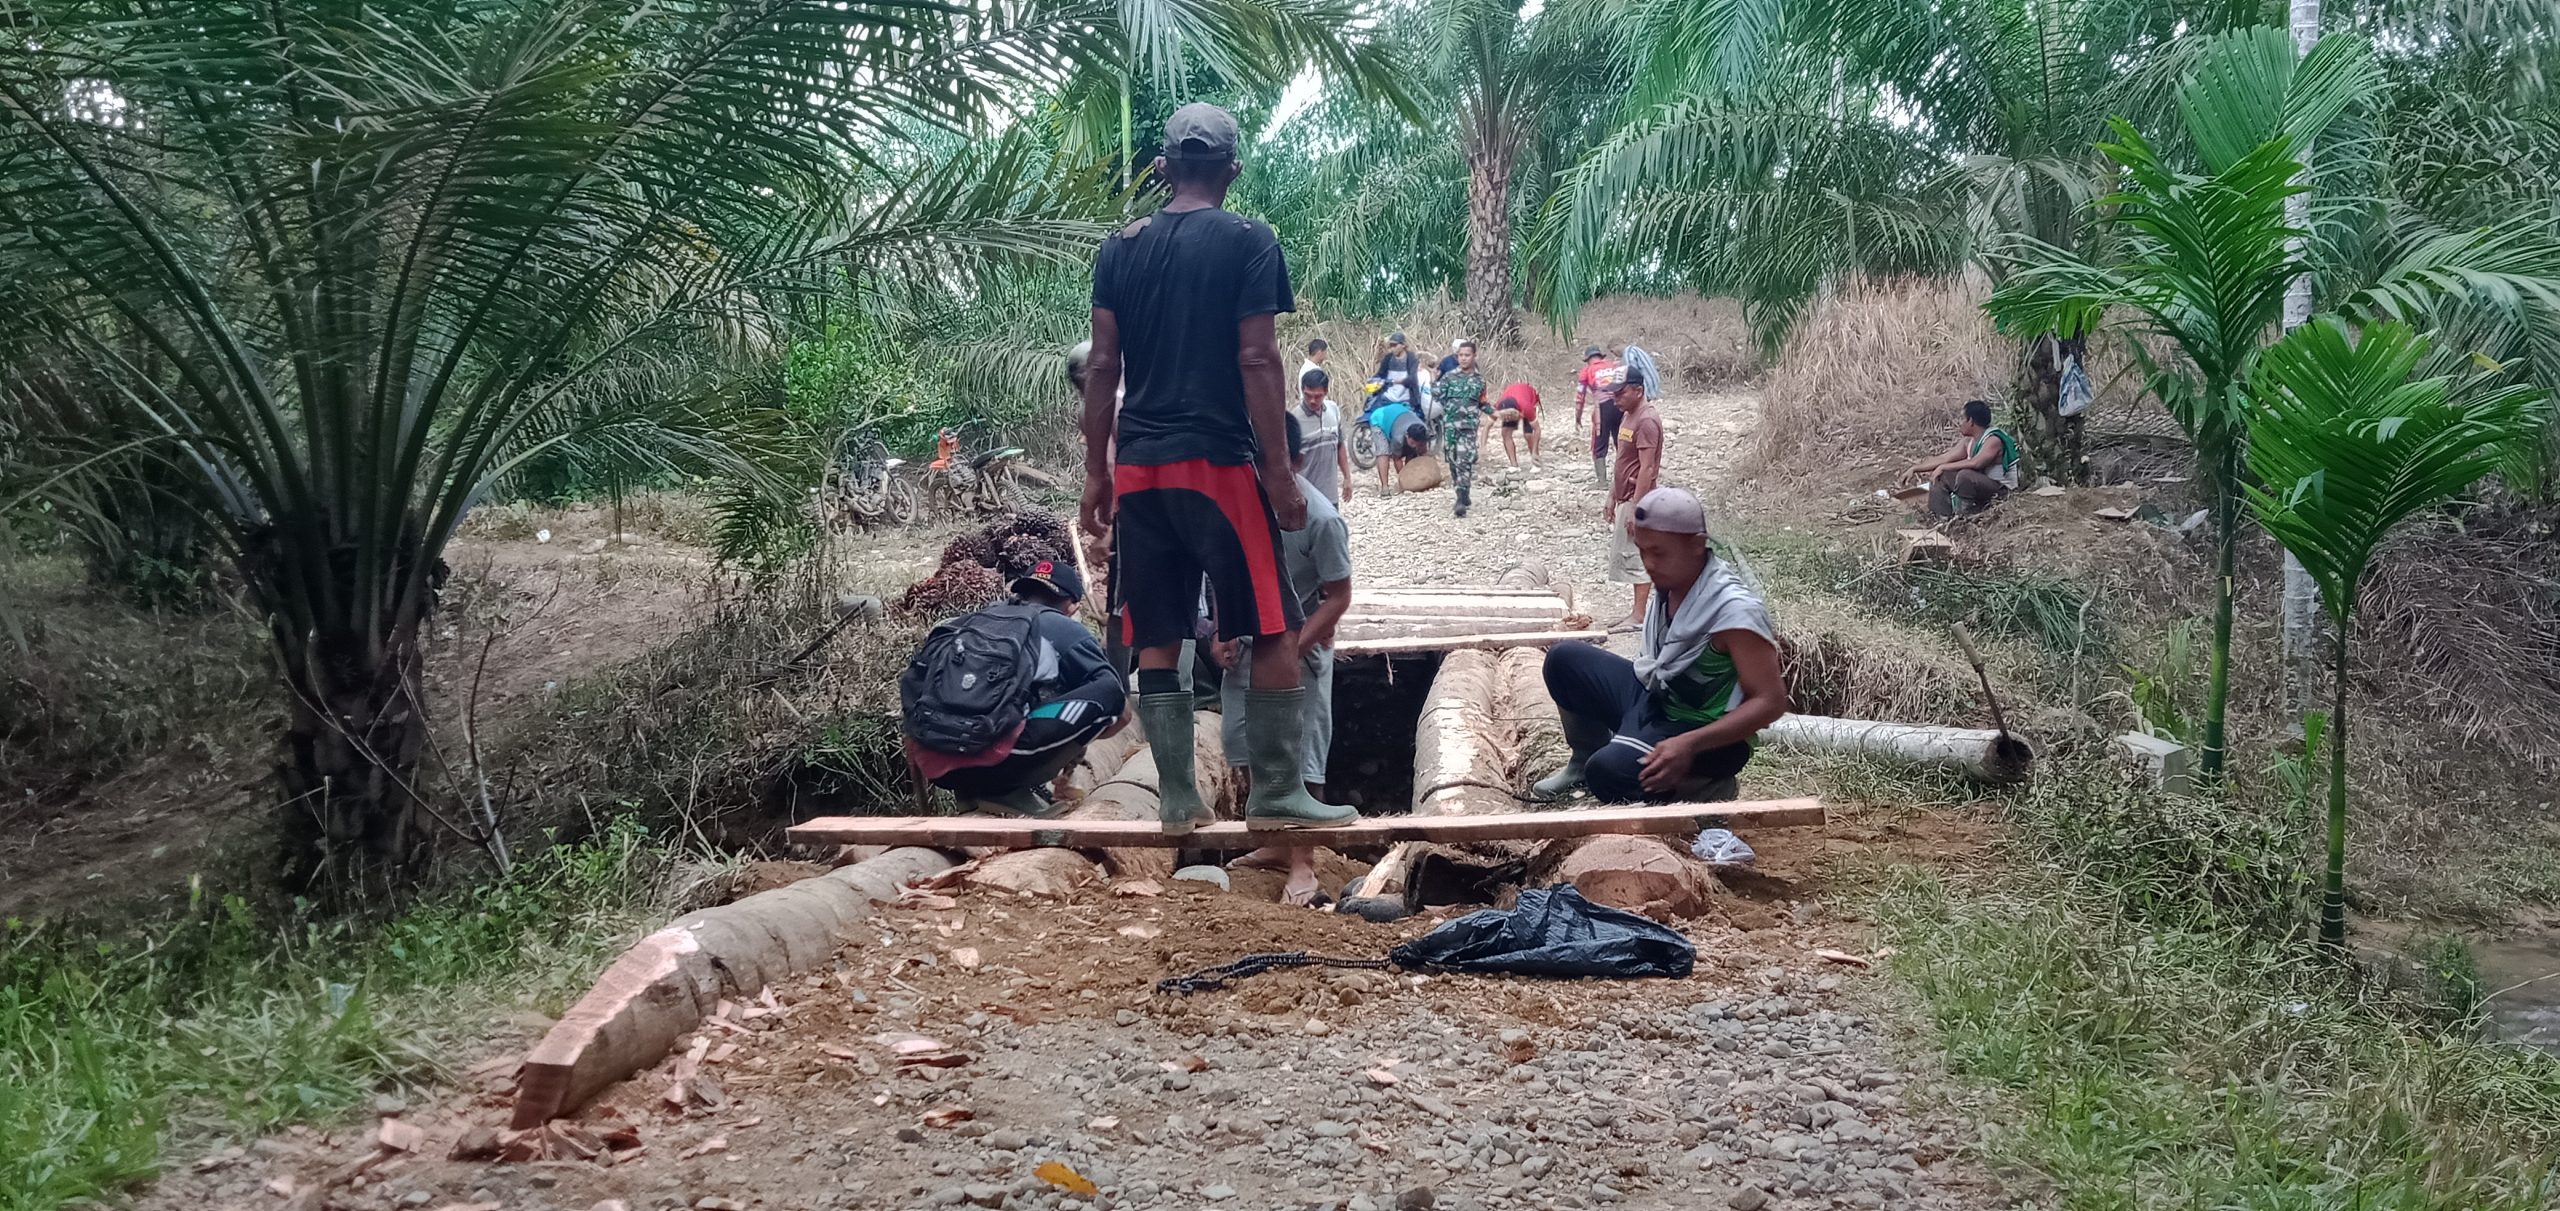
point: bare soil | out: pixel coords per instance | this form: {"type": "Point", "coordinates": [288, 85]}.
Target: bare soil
{"type": "Point", "coordinates": [1770, 1070]}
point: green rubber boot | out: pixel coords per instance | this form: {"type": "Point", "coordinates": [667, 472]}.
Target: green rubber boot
{"type": "Point", "coordinates": [1167, 718]}
{"type": "Point", "coordinates": [1585, 738]}
{"type": "Point", "coordinates": [1274, 729]}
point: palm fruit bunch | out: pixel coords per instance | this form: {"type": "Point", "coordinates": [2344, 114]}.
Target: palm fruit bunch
{"type": "Point", "coordinates": [975, 547]}
{"type": "Point", "coordinates": [961, 586]}
{"type": "Point", "coordinates": [1037, 522]}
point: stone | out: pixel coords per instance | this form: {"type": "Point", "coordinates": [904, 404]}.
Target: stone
{"type": "Point", "coordinates": [1748, 1198]}
{"type": "Point", "coordinates": [985, 1195]}
{"type": "Point", "coordinates": [1329, 1129]}
{"type": "Point", "coordinates": [1008, 1141]}
{"type": "Point", "coordinates": [1535, 1166]}
{"type": "Point", "coordinates": [1218, 1193]}
{"type": "Point", "coordinates": [949, 1196]}
{"type": "Point", "coordinates": [910, 1135]}
{"type": "Point", "coordinates": [1205, 874]}
{"type": "Point", "coordinates": [1126, 1017]}
{"type": "Point", "coordinates": [1419, 1198]}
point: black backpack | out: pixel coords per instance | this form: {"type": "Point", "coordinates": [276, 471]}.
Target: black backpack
{"type": "Point", "coordinates": [971, 683]}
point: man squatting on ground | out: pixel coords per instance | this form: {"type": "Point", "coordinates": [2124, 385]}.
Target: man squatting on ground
{"type": "Point", "coordinates": [1317, 561]}
{"type": "Point", "coordinates": [1676, 723]}
{"type": "Point", "coordinates": [1184, 302]}
{"type": "Point", "coordinates": [1077, 698]}
{"type": "Point", "coordinates": [1980, 468]}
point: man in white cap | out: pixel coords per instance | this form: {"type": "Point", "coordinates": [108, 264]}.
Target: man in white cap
{"type": "Point", "coordinates": [1191, 473]}
{"type": "Point", "coordinates": [1676, 723]}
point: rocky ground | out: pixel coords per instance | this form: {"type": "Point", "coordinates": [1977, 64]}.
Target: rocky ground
{"type": "Point", "coordinates": [1767, 1079]}
{"type": "Point", "coordinates": [1551, 515]}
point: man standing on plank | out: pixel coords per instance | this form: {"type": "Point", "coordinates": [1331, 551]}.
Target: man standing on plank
{"type": "Point", "coordinates": [1184, 302]}
{"type": "Point", "coordinates": [1675, 723]}
{"type": "Point", "coordinates": [1639, 443]}
{"type": "Point", "coordinates": [1318, 562]}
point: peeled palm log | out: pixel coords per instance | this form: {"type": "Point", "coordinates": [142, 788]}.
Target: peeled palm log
{"type": "Point", "coordinates": [1650, 875]}
{"type": "Point", "coordinates": [1977, 753]}
{"type": "Point", "coordinates": [1462, 603]}
{"type": "Point", "coordinates": [666, 984]}
{"type": "Point", "coordinates": [1465, 762]}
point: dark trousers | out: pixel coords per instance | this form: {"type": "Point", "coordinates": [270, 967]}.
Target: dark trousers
{"type": "Point", "coordinates": [1600, 688]}
{"type": "Point", "coordinates": [1053, 738]}
{"type": "Point", "coordinates": [1977, 489]}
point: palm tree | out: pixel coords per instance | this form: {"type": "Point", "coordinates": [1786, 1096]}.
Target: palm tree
{"type": "Point", "coordinates": [1411, 197]}
{"type": "Point", "coordinates": [1769, 150]}
{"type": "Point", "coordinates": [378, 253]}
{"type": "Point", "coordinates": [2344, 447]}
{"type": "Point", "coordinates": [2207, 260]}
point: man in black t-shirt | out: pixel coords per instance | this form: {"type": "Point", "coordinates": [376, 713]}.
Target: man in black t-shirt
{"type": "Point", "coordinates": [1184, 302]}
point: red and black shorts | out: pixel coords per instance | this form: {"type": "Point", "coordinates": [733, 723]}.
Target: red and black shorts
{"type": "Point", "coordinates": [1181, 521]}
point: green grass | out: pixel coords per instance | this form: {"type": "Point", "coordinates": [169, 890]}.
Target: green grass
{"type": "Point", "coordinates": [2135, 1064]}
{"type": "Point", "coordinates": [115, 1047]}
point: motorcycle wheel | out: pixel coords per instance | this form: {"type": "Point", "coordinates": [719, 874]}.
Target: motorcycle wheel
{"type": "Point", "coordinates": [903, 505]}
{"type": "Point", "coordinates": [1364, 445]}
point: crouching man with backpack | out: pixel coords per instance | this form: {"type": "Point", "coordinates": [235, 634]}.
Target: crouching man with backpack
{"type": "Point", "coordinates": [1000, 702]}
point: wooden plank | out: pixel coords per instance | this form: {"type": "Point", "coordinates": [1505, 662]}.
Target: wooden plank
{"type": "Point", "coordinates": [1464, 590]}
{"type": "Point", "coordinates": [1451, 643]}
{"type": "Point", "coordinates": [1544, 605]}
{"type": "Point", "coordinates": [949, 831]}
{"type": "Point", "coordinates": [1376, 627]}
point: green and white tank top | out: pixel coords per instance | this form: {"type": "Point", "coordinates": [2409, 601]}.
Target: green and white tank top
{"type": "Point", "coordinates": [2005, 472]}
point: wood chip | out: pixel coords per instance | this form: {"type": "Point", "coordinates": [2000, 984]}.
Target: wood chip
{"type": "Point", "coordinates": [945, 1116]}
{"type": "Point", "coordinates": [721, 1054]}
{"type": "Point", "coordinates": [1383, 1078]}
{"type": "Point", "coordinates": [717, 1143]}
{"type": "Point", "coordinates": [282, 1185]}
{"type": "Point", "coordinates": [913, 1044]}
{"type": "Point", "coordinates": [1137, 887]}
{"type": "Point", "coordinates": [2113, 513]}
{"type": "Point", "coordinates": [927, 900]}
{"type": "Point", "coordinates": [2049, 490]}
{"type": "Point", "coordinates": [1828, 955]}
{"type": "Point", "coordinates": [966, 957]}
{"type": "Point", "coordinates": [1140, 932]}
{"type": "Point", "coordinates": [468, 1207]}
{"type": "Point", "coordinates": [935, 1059]}
{"type": "Point", "coordinates": [397, 1136]}
{"type": "Point", "coordinates": [839, 1051]}
{"type": "Point", "coordinates": [1065, 1178]}
{"type": "Point", "coordinates": [1105, 1123]}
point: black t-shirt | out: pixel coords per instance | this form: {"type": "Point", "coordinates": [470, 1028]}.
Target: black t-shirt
{"type": "Point", "coordinates": [1080, 657]}
{"type": "Point", "coordinates": [1179, 286]}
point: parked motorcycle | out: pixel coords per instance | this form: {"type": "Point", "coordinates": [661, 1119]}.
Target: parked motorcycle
{"type": "Point", "coordinates": [982, 483]}
{"type": "Point", "coordinates": [862, 487]}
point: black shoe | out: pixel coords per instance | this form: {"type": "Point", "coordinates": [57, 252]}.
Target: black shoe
{"type": "Point", "coordinates": [1462, 510]}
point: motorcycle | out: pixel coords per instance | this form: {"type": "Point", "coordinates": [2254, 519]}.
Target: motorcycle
{"type": "Point", "coordinates": [981, 483]}
{"type": "Point", "coordinates": [862, 488]}
{"type": "Point", "coordinates": [1366, 441]}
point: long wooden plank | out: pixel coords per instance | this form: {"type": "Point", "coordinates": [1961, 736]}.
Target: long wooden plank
{"type": "Point", "coordinates": [1462, 605]}
{"type": "Point", "coordinates": [947, 831]}
{"type": "Point", "coordinates": [1451, 643]}
{"type": "Point", "coordinates": [1374, 627]}
{"type": "Point", "coordinates": [1464, 590]}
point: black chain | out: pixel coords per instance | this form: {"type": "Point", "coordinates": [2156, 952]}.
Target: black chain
{"type": "Point", "coordinates": [1211, 979]}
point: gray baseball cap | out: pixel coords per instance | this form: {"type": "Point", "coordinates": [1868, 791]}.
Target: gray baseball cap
{"type": "Point", "coordinates": [1200, 131]}
{"type": "Point", "coordinates": [1671, 511]}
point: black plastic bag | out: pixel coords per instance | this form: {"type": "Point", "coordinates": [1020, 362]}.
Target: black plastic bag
{"type": "Point", "coordinates": [1553, 931]}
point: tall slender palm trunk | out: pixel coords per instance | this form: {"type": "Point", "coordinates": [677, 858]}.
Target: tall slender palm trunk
{"type": "Point", "coordinates": [1490, 161]}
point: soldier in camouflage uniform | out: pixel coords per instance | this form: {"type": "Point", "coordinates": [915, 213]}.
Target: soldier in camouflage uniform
{"type": "Point", "coordinates": [1462, 409]}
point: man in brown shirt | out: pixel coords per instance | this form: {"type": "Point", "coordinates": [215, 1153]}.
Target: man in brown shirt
{"type": "Point", "coordinates": [1639, 466]}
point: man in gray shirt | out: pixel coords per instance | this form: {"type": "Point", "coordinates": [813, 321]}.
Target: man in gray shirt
{"type": "Point", "coordinates": [1316, 567]}
{"type": "Point", "coordinates": [1327, 461]}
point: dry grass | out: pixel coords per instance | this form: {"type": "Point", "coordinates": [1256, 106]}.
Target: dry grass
{"type": "Point", "coordinates": [1852, 663]}
{"type": "Point", "coordinates": [2462, 624]}
{"type": "Point", "coordinates": [1869, 378]}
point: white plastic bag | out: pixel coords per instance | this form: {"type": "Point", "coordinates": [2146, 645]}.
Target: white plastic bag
{"type": "Point", "coordinates": [1719, 847]}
